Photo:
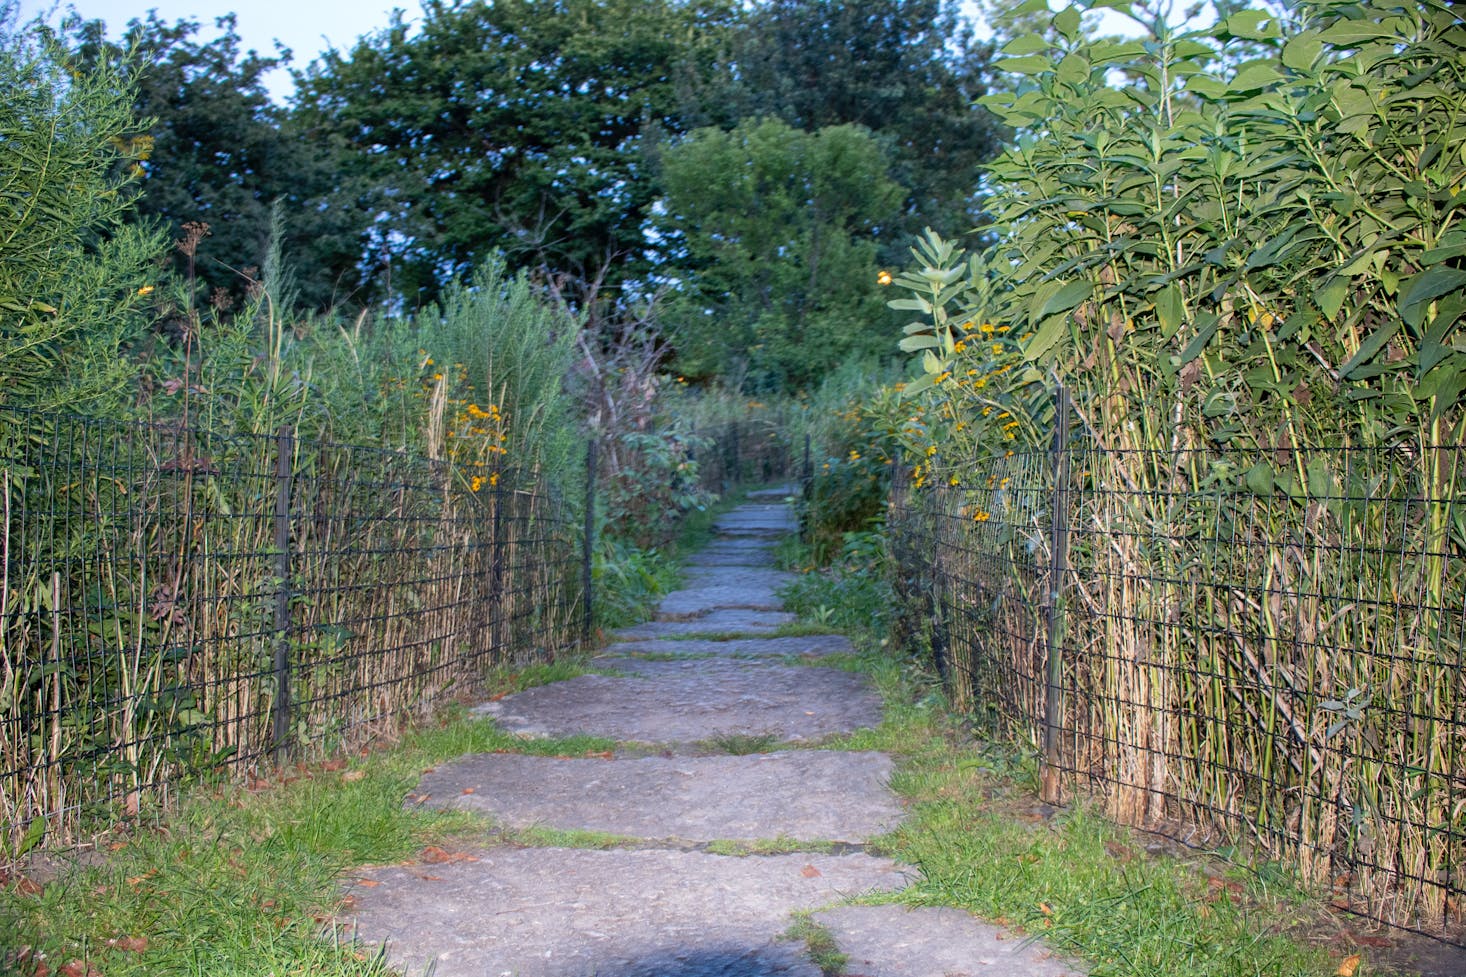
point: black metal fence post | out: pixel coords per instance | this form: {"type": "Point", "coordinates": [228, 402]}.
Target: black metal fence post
{"type": "Point", "coordinates": [284, 468]}
{"type": "Point", "coordinates": [587, 546]}
{"type": "Point", "coordinates": [1054, 599]}
{"type": "Point", "coordinates": [806, 480]}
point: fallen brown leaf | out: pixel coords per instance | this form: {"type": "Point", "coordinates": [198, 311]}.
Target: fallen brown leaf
{"type": "Point", "coordinates": [368, 883]}
{"type": "Point", "coordinates": [129, 944]}
{"type": "Point", "coordinates": [810, 872]}
{"type": "Point", "coordinates": [351, 776]}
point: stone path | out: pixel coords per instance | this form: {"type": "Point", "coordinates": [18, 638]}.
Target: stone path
{"type": "Point", "coordinates": [713, 714]}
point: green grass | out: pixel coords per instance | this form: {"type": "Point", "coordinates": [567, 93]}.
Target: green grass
{"type": "Point", "coordinates": [739, 744]}
{"type": "Point", "coordinates": [819, 945]}
{"type": "Point", "coordinates": [237, 882]}
{"type": "Point", "coordinates": [985, 844]}
{"type": "Point", "coordinates": [782, 845]}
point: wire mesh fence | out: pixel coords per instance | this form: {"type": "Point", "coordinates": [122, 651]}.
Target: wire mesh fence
{"type": "Point", "coordinates": [754, 451]}
{"type": "Point", "coordinates": [179, 605]}
{"type": "Point", "coordinates": [1221, 646]}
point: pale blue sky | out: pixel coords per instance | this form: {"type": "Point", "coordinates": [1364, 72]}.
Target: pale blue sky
{"type": "Point", "coordinates": [307, 27]}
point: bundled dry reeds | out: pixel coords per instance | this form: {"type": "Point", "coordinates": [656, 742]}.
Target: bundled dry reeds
{"type": "Point", "coordinates": [153, 620]}
{"type": "Point", "coordinates": [1239, 662]}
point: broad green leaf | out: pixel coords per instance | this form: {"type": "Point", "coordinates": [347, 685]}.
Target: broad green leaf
{"type": "Point", "coordinates": [1352, 33]}
{"type": "Point", "coordinates": [911, 305]}
{"type": "Point", "coordinates": [1169, 310]}
{"type": "Point", "coordinates": [1372, 344]}
{"type": "Point", "coordinates": [913, 343]}
{"type": "Point", "coordinates": [1302, 51]}
{"type": "Point", "coordinates": [1066, 298]}
{"type": "Point", "coordinates": [1433, 348]}
{"type": "Point", "coordinates": [1206, 86]}
{"type": "Point", "coordinates": [1066, 22]}
{"type": "Point", "coordinates": [1330, 295]}
{"type": "Point", "coordinates": [1426, 287]}
{"type": "Point", "coordinates": [1254, 75]}
{"type": "Point", "coordinates": [1206, 329]}
{"type": "Point", "coordinates": [1252, 25]}
{"type": "Point", "coordinates": [1032, 64]}
{"type": "Point", "coordinates": [1260, 478]}
{"type": "Point", "coordinates": [1045, 337]}
{"type": "Point", "coordinates": [1027, 44]}
{"type": "Point", "coordinates": [1073, 69]}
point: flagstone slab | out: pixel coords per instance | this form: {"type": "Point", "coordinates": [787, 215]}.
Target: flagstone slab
{"type": "Point", "coordinates": [802, 646]}
{"type": "Point", "coordinates": [806, 795]}
{"type": "Point", "coordinates": [898, 941]}
{"type": "Point", "coordinates": [730, 621]}
{"type": "Point", "coordinates": [713, 697]}
{"type": "Point", "coordinates": [555, 912]}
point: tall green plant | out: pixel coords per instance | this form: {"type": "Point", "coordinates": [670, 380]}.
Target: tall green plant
{"type": "Point", "coordinates": [72, 272]}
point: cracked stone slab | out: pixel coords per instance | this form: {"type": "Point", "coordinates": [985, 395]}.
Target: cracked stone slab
{"type": "Point", "coordinates": [803, 646]}
{"type": "Point", "coordinates": [757, 515]}
{"type": "Point", "coordinates": [740, 558]}
{"type": "Point", "coordinates": [554, 912]}
{"type": "Point", "coordinates": [807, 795]}
{"type": "Point", "coordinates": [699, 601]}
{"type": "Point", "coordinates": [897, 941]}
{"type": "Point", "coordinates": [687, 704]}
{"type": "Point", "coordinates": [761, 578]}
{"type": "Point", "coordinates": [731, 621]}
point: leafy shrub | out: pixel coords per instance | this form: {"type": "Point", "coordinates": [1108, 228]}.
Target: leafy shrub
{"type": "Point", "coordinates": [852, 595]}
{"type": "Point", "coordinates": [628, 582]}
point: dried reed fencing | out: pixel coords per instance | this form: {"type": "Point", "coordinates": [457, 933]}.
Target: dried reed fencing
{"type": "Point", "coordinates": [1225, 647]}
{"type": "Point", "coordinates": [180, 605]}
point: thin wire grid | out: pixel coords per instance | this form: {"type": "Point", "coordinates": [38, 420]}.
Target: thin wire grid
{"type": "Point", "coordinates": [1239, 663]}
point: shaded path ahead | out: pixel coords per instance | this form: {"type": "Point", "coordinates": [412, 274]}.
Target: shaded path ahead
{"type": "Point", "coordinates": [696, 700]}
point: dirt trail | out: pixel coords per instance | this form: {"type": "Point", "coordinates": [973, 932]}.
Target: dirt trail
{"type": "Point", "coordinates": [668, 904]}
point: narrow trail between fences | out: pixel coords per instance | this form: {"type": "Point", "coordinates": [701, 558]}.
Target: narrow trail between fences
{"type": "Point", "coordinates": [686, 697]}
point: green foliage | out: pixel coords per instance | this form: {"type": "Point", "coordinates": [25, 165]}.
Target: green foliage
{"type": "Point", "coordinates": [71, 267]}
{"type": "Point", "coordinates": [212, 149]}
{"type": "Point", "coordinates": [497, 341]}
{"type": "Point", "coordinates": [1260, 253]}
{"type": "Point", "coordinates": [628, 582]}
{"type": "Point", "coordinates": [242, 883]}
{"type": "Point", "coordinates": [653, 484]}
{"type": "Point", "coordinates": [1238, 266]}
{"type": "Point", "coordinates": [513, 126]}
{"type": "Point", "coordinates": [851, 453]}
{"type": "Point", "coordinates": [851, 595]}
{"type": "Point", "coordinates": [909, 71]}
{"type": "Point", "coordinates": [780, 229]}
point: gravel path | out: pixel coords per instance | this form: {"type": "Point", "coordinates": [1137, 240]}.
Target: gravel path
{"type": "Point", "coordinates": [713, 710]}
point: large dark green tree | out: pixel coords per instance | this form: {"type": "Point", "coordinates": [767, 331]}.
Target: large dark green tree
{"type": "Point", "coordinates": [219, 152]}
{"type": "Point", "coordinates": [780, 229]}
{"type": "Point", "coordinates": [910, 71]}
{"type": "Point", "coordinates": [518, 126]}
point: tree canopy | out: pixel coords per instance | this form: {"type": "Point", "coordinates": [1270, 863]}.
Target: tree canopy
{"type": "Point", "coordinates": [780, 228]}
{"type": "Point", "coordinates": [517, 127]}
